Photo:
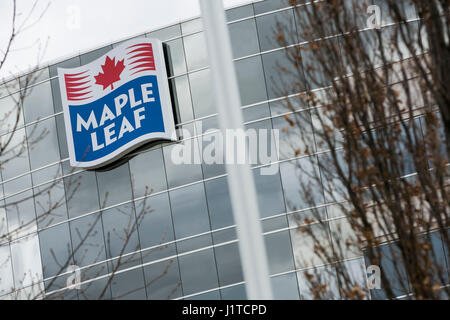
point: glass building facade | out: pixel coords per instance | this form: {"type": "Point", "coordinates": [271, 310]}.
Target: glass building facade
{"type": "Point", "coordinates": [185, 245]}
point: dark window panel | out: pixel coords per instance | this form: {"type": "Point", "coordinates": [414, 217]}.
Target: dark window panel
{"type": "Point", "coordinates": [189, 210]}
{"type": "Point", "coordinates": [228, 264]}
{"type": "Point", "coordinates": [43, 136]}
{"type": "Point", "coordinates": [50, 203]}
{"type": "Point", "coordinates": [270, 5]}
{"type": "Point", "coordinates": [219, 203]}
{"type": "Point", "coordinates": [251, 80]}
{"type": "Point", "coordinates": [180, 174]}
{"type": "Point", "coordinates": [38, 102]}
{"type": "Point", "coordinates": [92, 55]}
{"type": "Point", "coordinates": [234, 293]}
{"type": "Point", "coordinates": [62, 140]}
{"type": "Point", "coordinates": [279, 252]}
{"type": "Point", "coordinates": [244, 38]}
{"type": "Point", "coordinates": [128, 285]}
{"type": "Point", "coordinates": [56, 250]}
{"type": "Point", "coordinates": [163, 280]}
{"type": "Point", "coordinates": [285, 287]}
{"type": "Point", "coordinates": [270, 196]}
{"type": "Point", "coordinates": [114, 186]}
{"type": "Point", "coordinates": [120, 230]}
{"type": "Point", "coordinates": [81, 193]}
{"type": "Point", "coordinates": [202, 96]}
{"type": "Point", "coordinates": [147, 173]}
{"type": "Point", "coordinates": [212, 295]}
{"type": "Point", "coordinates": [88, 242]}
{"type": "Point", "coordinates": [294, 194]}
{"type": "Point", "coordinates": [155, 220]}
{"type": "Point", "coordinates": [239, 12]}
{"type": "Point", "coordinates": [268, 29]}
{"type": "Point", "coordinates": [279, 81]}
{"type": "Point", "coordinates": [198, 271]}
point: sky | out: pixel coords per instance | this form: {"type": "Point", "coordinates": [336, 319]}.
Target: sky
{"type": "Point", "coordinates": [62, 28]}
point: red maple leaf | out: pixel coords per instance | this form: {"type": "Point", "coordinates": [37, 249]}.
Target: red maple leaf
{"type": "Point", "coordinates": [111, 73]}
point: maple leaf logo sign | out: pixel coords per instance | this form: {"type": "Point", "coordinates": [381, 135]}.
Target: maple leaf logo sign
{"type": "Point", "coordinates": [111, 73]}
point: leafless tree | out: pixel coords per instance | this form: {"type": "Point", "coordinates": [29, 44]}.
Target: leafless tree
{"type": "Point", "coordinates": [367, 117]}
{"type": "Point", "coordinates": [51, 201]}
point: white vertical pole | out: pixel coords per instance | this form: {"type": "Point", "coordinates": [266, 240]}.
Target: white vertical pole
{"type": "Point", "coordinates": [240, 178]}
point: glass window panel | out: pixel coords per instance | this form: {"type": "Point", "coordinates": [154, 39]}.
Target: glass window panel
{"type": "Point", "coordinates": [244, 38]}
{"type": "Point", "coordinates": [34, 77]}
{"type": "Point", "coordinates": [95, 290]}
{"type": "Point", "coordinates": [294, 194]}
{"type": "Point", "coordinates": [163, 280]}
{"type": "Point", "coordinates": [87, 240]}
{"type": "Point", "coordinates": [120, 228]}
{"type": "Point", "coordinates": [166, 33]}
{"type": "Point", "coordinates": [279, 252]}
{"type": "Point", "coordinates": [9, 108]}
{"type": "Point", "coordinates": [293, 138]}
{"type": "Point", "coordinates": [198, 271]}
{"type": "Point", "coordinates": [191, 26]}
{"type": "Point", "coordinates": [268, 29]}
{"type": "Point", "coordinates": [194, 243]}
{"type": "Point", "coordinates": [212, 295]}
{"type": "Point", "coordinates": [202, 96]}
{"type": "Point", "coordinates": [303, 245]}
{"type": "Point", "coordinates": [224, 235]}
{"type": "Point", "coordinates": [155, 226]}
{"type": "Point", "coordinates": [15, 157]}
{"type": "Point", "coordinates": [6, 272]}
{"type": "Point", "coordinates": [275, 223]}
{"type": "Point", "coordinates": [20, 184]}
{"type": "Point", "coordinates": [356, 271]}
{"type": "Point", "coordinates": [219, 203]}
{"type": "Point", "coordinates": [285, 287]}
{"type": "Point", "coordinates": [345, 238]}
{"type": "Point", "coordinates": [62, 140]}
{"type": "Point", "coordinates": [50, 203]}
{"type": "Point", "coordinates": [147, 173]}
{"type": "Point", "coordinates": [26, 260]}
{"type": "Point", "coordinates": [239, 12]}
{"type": "Point", "coordinates": [3, 222]}
{"type": "Point", "coordinates": [234, 293]}
{"type": "Point", "coordinates": [20, 214]}
{"type": "Point", "coordinates": [42, 136]}
{"type": "Point", "coordinates": [269, 5]}
{"type": "Point", "coordinates": [177, 61]}
{"type": "Point", "coordinates": [128, 285]}
{"type": "Point", "coordinates": [256, 112]}
{"type": "Point", "coordinates": [81, 193]}
{"type": "Point", "coordinates": [182, 98]}
{"type": "Point", "coordinates": [228, 264]}
{"type": "Point", "coordinates": [266, 139]}
{"type": "Point", "coordinates": [56, 250]}
{"type": "Point", "coordinates": [38, 102]}
{"type": "Point", "coordinates": [47, 174]}
{"type": "Point", "coordinates": [270, 196]}
{"type": "Point", "coordinates": [92, 55]}
{"type": "Point", "coordinates": [394, 270]}
{"type": "Point", "coordinates": [196, 55]}
{"type": "Point", "coordinates": [180, 174]}
{"type": "Point", "coordinates": [281, 83]}
{"type": "Point", "coordinates": [323, 275]}
{"type": "Point", "coordinates": [114, 186]}
{"type": "Point", "coordinates": [190, 214]}
{"type": "Point", "coordinates": [251, 80]}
